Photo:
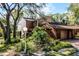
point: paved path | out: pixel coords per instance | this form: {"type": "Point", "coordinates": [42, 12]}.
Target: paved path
{"type": "Point", "coordinates": [74, 42]}
{"type": "Point", "coordinates": [8, 53]}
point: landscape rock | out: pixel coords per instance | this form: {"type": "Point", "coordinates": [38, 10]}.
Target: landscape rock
{"type": "Point", "coordinates": [67, 51]}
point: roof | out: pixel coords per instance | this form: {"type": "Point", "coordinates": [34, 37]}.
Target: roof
{"type": "Point", "coordinates": [65, 26]}
{"type": "Point", "coordinates": [29, 19]}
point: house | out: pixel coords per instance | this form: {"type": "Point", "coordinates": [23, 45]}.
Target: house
{"type": "Point", "coordinates": [30, 23]}
{"type": "Point", "coordinates": [65, 31]}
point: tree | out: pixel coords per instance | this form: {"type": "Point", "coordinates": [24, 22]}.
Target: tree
{"type": "Point", "coordinates": [56, 17]}
{"type": "Point", "coordinates": [15, 10]}
{"type": "Point", "coordinates": [8, 8]}
{"type": "Point", "coordinates": [74, 7]}
{"type": "Point", "coordinates": [2, 25]}
{"type": "Point", "coordinates": [16, 15]}
{"type": "Point", "coordinates": [32, 10]}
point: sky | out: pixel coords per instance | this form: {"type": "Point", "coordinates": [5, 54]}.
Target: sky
{"type": "Point", "coordinates": [53, 8]}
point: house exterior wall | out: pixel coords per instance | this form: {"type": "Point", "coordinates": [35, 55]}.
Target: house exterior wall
{"type": "Point", "coordinates": [62, 34]}
{"type": "Point", "coordinates": [65, 33]}
{"type": "Point", "coordinates": [30, 24]}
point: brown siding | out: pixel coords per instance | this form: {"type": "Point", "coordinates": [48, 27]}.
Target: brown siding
{"type": "Point", "coordinates": [30, 24]}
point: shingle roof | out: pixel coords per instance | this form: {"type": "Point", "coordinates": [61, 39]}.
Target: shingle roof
{"type": "Point", "coordinates": [65, 26]}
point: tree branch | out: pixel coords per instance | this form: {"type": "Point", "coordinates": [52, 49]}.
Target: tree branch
{"type": "Point", "coordinates": [12, 16]}
{"type": "Point", "coordinates": [11, 4]}
{"type": "Point", "coordinates": [4, 6]}
{"type": "Point", "coordinates": [13, 8]}
{"type": "Point", "coordinates": [8, 6]}
{"type": "Point", "coordinates": [21, 8]}
{"type": "Point", "coordinates": [2, 15]}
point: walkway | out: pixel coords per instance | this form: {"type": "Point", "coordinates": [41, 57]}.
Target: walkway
{"type": "Point", "coordinates": [74, 42]}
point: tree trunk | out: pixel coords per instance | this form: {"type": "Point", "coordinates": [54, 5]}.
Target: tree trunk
{"type": "Point", "coordinates": [14, 31]}
{"type": "Point", "coordinates": [15, 24]}
{"type": "Point", "coordinates": [4, 30]}
{"type": "Point", "coordinates": [8, 28]}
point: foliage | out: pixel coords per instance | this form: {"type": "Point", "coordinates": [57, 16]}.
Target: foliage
{"type": "Point", "coordinates": [61, 45]}
{"type": "Point", "coordinates": [19, 47]}
{"type": "Point", "coordinates": [50, 46]}
{"type": "Point", "coordinates": [40, 36]}
{"type": "Point", "coordinates": [28, 46]}
{"type": "Point", "coordinates": [13, 40]}
{"type": "Point", "coordinates": [15, 12]}
{"type": "Point", "coordinates": [40, 39]}
{"type": "Point", "coordinates": [56, 17]}
{"type": "Point", "coordinates": [65, 18]}
{"type": "Point", "coordinates": [74, 7]}
{"type": "Point", "coordinates": [56, 45]}
{"type": "Point", "coordinates": [31, 47]}
{"type": "Point", "coordinates": [66, 52]}
{"type": "Point", "coordinates": [53, 53]}
{"type": "Point", "coordinates": [1, 32]}
{"type": "Point", "coordinates": [3, 48]}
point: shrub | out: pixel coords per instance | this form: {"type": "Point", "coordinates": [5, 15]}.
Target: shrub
{"type": "Point", "coordinates": [1, 32]}
{"type": "Point", "coordinates": [30, 47]}
{"type": "Point", "coordinates": [61, 45]}
{"type": "Point", "coordinates": [57, 45]}
{"type": "Point", "coordinates": [13, 40]}
{"type": "Point", "coordinates": [40, 35]}
{"type": "Point", "coordinates": [51, 45]}
{"type": "Point", "coordinates": [19, 47]}
{"type": "Point", "coordinates": [3, 48]}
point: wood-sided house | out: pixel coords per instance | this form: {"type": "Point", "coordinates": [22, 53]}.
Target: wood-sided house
{"type": "Point", "coordinates": [62, 31]}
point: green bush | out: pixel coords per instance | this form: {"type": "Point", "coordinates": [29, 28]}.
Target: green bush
{"type": "Point", "coordinates": [40, 38]}
{"type": "Point", "coordinates": [51, 45]}
{"type": "Point", "coordinates": [57, 45]}
{"type": "Point", "coordinates": [3, 48]}
{"type": "Point", "coordinates": [19, 47]}
{"type": "Point", "coordinates": [28, 46]}
{"type": "Point", "coordinates": [13, 40]}
{"type": "Point", "coordinates": [1, 32]}
{"type": "Point", "coordinates": [40, 35]}
{"type": "Point", "coordinates": [31, 47]}
{"type": "Point", "coordinates": [61, 45]}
